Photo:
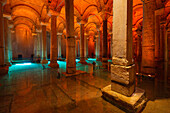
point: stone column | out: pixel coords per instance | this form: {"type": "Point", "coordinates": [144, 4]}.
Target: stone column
{"type": "Point", "coordinates": [104, 52]}
{"type": "Point", "coordinates": [70, 52]}
{"type": "Point", "coordinates": [157, 38]}
{"type": "Point", "coordinates": [59, 36]}
{"type": "Point", "coordinates": [38, 54]}
{"type": "Point", "coordinates": [148, 37]}
{"type": "Point", "coordinates": [2, 61]}
{"type": "Point", "coordinates": [98, 47]}
{"type": "Point", "coordinates": [6, 37]}
{"type": "Point", "coordinates": [53, 43]}
{"type": "Point", "coordinates": [165, 44]}
{"type": "Point", "coordinates": [82, 56]}
{"type": "Point", "coordinates": [122, 70]}
{"type": "Point", "coordinates": [161, 42]}
{"type": "Point", "coordinates": [35, 38]}
{"type": "Point", "coordinates": [10, 27]}
{"type": "Point", "coordinates": [85, 48]}
{"type": "Point", "coordinates": [111, 44]}
{"type": "Point", "coordinates": [44, 44]}
{"type": "Point", "coordinates": [158, 14]}
{"type": "Point", "coordinates": [139, 45]}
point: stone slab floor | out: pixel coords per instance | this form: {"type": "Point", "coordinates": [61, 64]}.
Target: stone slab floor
{"type": "Point", "coordinates": [30, 88]}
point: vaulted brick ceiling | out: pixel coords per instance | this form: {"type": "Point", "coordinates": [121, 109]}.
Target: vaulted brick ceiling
{"type": "Point", "coordinates": [29, 13]}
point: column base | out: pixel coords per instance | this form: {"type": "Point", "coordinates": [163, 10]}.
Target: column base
{"type": "Point", "coordinates": [105, 63]}
{"type": "Point", "coordinates": [70, 70]}
{"type": "Point", "coordinates": [134, 103]}
{"type": "Point", "coordinates": [8, 64]}
{"type": "Point", "coordinates": [44, 61]}
{"type": "Point", "coordinates": [82, 62]}
{"type": "Point", "coordinates": [4, 70]}
{"type": "Point", "coordinates": [98, 59]}
{"type": "Point", "coordinates": [54, 65]}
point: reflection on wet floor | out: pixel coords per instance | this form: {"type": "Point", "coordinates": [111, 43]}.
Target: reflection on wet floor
{"type": "Point", "coordinates": [32, 88]}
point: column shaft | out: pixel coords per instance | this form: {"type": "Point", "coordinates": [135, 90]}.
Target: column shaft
{"type": "Point", "coordinates": [82, 57]}
{"type": "Point", "coordinates": [165, 45]}
{"type": "Point", "coordinates": [59, 46]}
{"type": "Point", "coordinates": [70, 44]}
{"type": "Point", "coordinates": [122, 70]}
{"type": "Point", "coordinates": [105, 46]}
{"type": "Point", "coordinates": [6, 37]}
{"type": "Point", "coordinates": [53, 44]}
{"type": "Point", "coordinates": [1, 37]}
{"type": "Point", "coordinates": [98, 47]}
{"type": "Point", "coordinates": [157, 37]}
{"type": "Point", "coordinates": [44, 45]}
{"type": "Point", "coordinates": [148, 37]}
{"type": "Point", "coordinates": [38, 45]}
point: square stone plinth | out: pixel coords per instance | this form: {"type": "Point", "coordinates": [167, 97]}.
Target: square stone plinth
{"type": "Point", "coordinates": [135, 103]}
{"type": "Point", "coordinates": [123, 74]}
{"type": "Point", "coordinates": [123, 89]}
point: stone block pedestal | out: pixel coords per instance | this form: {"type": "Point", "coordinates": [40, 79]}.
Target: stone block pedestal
{"type": "Point", "coordinates": [44, 61]}
{"type": "Point", "coordinates": [4, 70]}
{"type": "Point", "coordinates": [135, 103]}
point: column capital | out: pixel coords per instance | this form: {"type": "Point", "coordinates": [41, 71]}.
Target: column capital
{"type": "Point", "coordinates": [53, 13]}
{"type": "Point", "coordinates": [8, 16]}
{"type": "Point", "coordinates": [80, 20]}
{"type": "Point", "coordinates": [38, 30]}
{"type": "Point", "coordinates": [59, 34]}
{"type": "Point", "coordinates": [159, 11]}
{"type": "Point", "coordinates": [44, 23]}
{"type": "Point", "coordinates": [10, 25]}
{"type": "Point", "coordinates": [3, 2]}
{"type": "Point", "coordinates": [34, 34]}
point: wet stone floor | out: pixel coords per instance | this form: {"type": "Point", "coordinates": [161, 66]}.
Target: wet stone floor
{"type": "Point", "coordinates": [32, 88]}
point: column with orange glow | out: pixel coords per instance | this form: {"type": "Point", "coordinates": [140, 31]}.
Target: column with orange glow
{"type": "Point", "coordinates": [82, 55]}
{"type": "Point", "coordinates": [10, 31]}
{"type": "Point", "coordinates": [165, 39]}
{"type": "Point", "coordinates": [44, 44]}
{"type": "Point", "coordinates": [53, 43]}
{"type": "Point", "coordinates": [6, 37]}
{"type": "Point", "coordinates": [38, 54]}
{"type": "Point", "coordinates": [98, 45]}
{"type": "Point", "coordinates": [105, 46]}
{"type": "Point", "coordinates": [148, 37]}
{"type": "Point", "coordinates": [59, 36]}
{"type": "Point", "coordinates": [70, 44]}
{"type": "Point", "coordinates": [139, 41]}
{"type": "Point", "coordinates": [2, 62]}
{"type": "Point", "coordinates": [123, 68]}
